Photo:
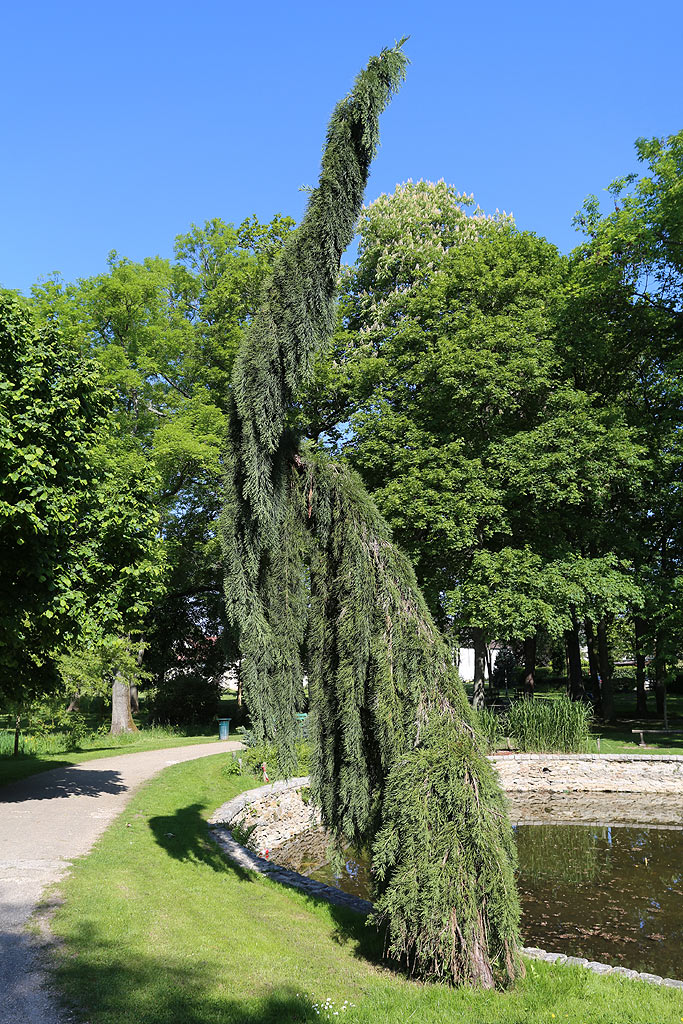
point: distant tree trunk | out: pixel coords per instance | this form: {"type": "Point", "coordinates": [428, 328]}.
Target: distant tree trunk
{"type": "Point", "coordinates": [73, 703]}
{"type": "Point", "coordinates": [575, 680]}
{"type": "Point", "coordinates": [489, 667]}
{"type": "Point", "coordinates": [660, 678]}
{"type": "Point", "coordinates": [17, 730]}
{"type": "Point", "coordinates": [239, 684]}
{"type": "Point", "coordinates": [479, 661]}
{"type": "Point", "coordinates": [134, 695]}
{"type": "Point", "coordinates": [529, 666]}
{"type": "Point", "coordinates": [121, 717]}
{"type": "Point", "coordinates": [592, 645]}
{"type": "Point", "coordinates": [606, 687]}
{"type": "Point", "coordinates": [641, 696]}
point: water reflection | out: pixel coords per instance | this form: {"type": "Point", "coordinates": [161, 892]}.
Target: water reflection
{"type": "Point", "coordinates": [609, 887]}
{"type": "Point", "coordinates": [611, 894]}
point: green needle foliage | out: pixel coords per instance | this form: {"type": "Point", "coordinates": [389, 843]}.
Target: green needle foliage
{"type": "Point", "coordinates": [262, 540]}
{"type": "Point", "coordinates": [398, 761]}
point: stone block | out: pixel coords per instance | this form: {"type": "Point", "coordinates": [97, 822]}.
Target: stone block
{"type": "Point", "coordinates": [599, 968]}
{"type": "Point", "coordinates": [624, 972]}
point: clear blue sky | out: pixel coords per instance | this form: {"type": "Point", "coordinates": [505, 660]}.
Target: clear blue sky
{"type": "Point", "coordinates": [124, 123]}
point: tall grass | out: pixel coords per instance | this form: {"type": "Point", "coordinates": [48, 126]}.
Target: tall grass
{"type": "Point", "coordinates": [492, 727]}
{"type": "Point", "coordinates": [550, 726]}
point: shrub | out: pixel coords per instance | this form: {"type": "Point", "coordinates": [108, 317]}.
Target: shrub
{"type": "Point", "coordinates": [550, 726]}
{"type": "Point", "coordinates": [186, 698]}
{"type": "Point", "coordinates": [232, 766]}
{"type": "Point", "coordinates": [506, 669]}
{"type": "Point", "coordinates": [266, 753]}
{"type": "Point", "coordinates": [676, 684]}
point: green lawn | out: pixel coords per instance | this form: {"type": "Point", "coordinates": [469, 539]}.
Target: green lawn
{"type": "Point", "coordinates": [13, 768]}
{"type": "Point", "coordinates": [157, 928]}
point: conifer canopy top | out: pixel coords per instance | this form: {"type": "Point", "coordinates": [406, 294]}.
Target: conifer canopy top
{"type": "Point", "coordinates": [309, 563]}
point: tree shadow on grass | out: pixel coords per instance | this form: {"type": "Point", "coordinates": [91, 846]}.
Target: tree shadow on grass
{"type": "Point", "coordinates": [100, 980]}
{"type": "Point", "coordinates": [184, 836]}
{"type": "Point", "coordinates": [655, 741]}
{"type": "Point", "coordinates": [368, 940]}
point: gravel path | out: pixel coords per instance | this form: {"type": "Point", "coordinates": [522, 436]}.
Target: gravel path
{"type": "Point", "coordinates": [46, 821]}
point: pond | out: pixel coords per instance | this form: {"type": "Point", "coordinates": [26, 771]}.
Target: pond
{"type": "Point", "coordinates": [600, 876]}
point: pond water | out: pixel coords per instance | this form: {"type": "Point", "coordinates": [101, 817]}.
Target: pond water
{"type": "Point", "coordinates": [609, 888]}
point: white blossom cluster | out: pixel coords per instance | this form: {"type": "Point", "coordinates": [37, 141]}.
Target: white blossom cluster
{"type": "Point", "coordinates": [405, 238]}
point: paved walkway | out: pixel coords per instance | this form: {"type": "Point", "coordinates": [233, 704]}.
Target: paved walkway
{"type": "Point", "coordinates": [46, 821]}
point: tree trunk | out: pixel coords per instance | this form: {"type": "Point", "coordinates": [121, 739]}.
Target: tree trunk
{"type": "Point", "coordinates": [529, 666]}
{"type": "Point", "coordinates": [134, 695]}
{"type": "Point", "coordinates": [489, 667]}
{"type": "Point", "coordinates": [479, 661]}
{"type": "Point", "coordinates": [17, 730]}
{"type": "Point", "coordinates": [606, 688]}
{"type": "Point", "coordinates": [121, 717]}
{"type": "Point", "coordinates": [73, 702]}
{"type": "Point", "coordinates": [660, 678]}
{"type": "Point", "coordinates": [641, 696]}
{"type": "Point", "coordinates": [575, 680]}
{"type": "Point", "coordinates": [239, 684]}
{"type": "Point", "coordinates": [592, 645]}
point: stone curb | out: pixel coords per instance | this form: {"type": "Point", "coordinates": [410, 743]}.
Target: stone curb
{"type": "Point", "coordinates": [598, 968]}
{"type": "Point", "coordinates": [519, 755]}
{"type": "Point", "coordinates": [245, 858]}
{"type": "Point", "coordinates": [226, 813]}
{"type": "Point", "coordinates": [521, 772]}
{"type": "Point", "coordinates": [220, 833]}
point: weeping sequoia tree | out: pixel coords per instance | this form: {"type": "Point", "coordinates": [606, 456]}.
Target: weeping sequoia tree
{"type": "Point", "coordinates": [398, 764]}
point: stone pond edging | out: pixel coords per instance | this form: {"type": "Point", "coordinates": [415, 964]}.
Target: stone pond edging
{"type": "Point", "coordinates": [268, 800]}
{"type": "Point", "coordinates": [261, 812]}
{"type": "Point", "coordinates": [590, 773]}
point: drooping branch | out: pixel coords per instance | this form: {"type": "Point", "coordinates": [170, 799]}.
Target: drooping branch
{"type": "Point", "coordinates": [397, 760]}
{"type": "Point", "coordinates": [295, 319]}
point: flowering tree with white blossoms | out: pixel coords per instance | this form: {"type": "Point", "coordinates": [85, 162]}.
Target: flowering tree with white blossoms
{"type": "Point", "coordinates": [404, 240]}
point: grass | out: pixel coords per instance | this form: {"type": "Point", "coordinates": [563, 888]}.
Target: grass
{"type": "Point", "coordinates": [14, 768]}
{"type": "Point", "coordinates": [158, 928]}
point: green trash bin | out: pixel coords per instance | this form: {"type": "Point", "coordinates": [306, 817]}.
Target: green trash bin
{"type": "Point", "coordinates": [223, 728]}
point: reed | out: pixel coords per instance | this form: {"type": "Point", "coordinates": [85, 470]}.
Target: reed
{"type": "Point", "coordinates": [559, 726]}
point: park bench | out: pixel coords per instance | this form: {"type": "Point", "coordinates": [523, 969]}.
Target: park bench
{"type": "Point", "coordinates": [672, 732]}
